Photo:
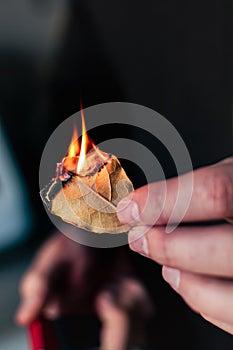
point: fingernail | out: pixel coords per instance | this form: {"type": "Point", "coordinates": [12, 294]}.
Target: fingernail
{"type": "Point", "coordinates": [127, 211]}
{"type": "Point", "coordinates": [172, 276]}
{"type": "Point", "coordinates": [138, 241]}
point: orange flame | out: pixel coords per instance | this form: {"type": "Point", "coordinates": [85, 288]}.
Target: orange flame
{"type": "Point", "coordinates": [76, 155]}
{"type": "Point", "coordinates": [84, 144]}
{"type": "Point", "coordinates": [74, 147]}
{"type": "Point", "coordinates": [76, 159]}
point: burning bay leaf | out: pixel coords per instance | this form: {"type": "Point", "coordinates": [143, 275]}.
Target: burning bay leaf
{"type": "Point", "coordinates": [88, 199]}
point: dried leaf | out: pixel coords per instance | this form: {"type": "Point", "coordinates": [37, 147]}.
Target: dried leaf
{"type": "Point", "coordinates": [89, 200]}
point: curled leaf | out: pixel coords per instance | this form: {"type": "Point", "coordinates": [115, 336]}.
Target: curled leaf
{"type": "Point", "coordinates": [88, 200]}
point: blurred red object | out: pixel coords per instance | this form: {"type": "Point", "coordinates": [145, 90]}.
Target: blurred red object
{"type": "Point", "coordinates": [42, 335]}
{"type": "Point", "coordinates": [36, 335]}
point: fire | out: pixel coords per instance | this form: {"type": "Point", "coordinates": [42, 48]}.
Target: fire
{"type": "Point", "coordinates": [83, 157]}
{"type": "Point", "coordinates": [74, 147]}
{"type": "Point", "coordinates": [84, 144]}
{"type": "Point", "coordinates": [76, 155]}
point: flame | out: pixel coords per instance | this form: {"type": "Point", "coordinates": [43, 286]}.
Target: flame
{"type": "Point", "coordinates": [76, 155]}
{"type": "Point", "coordinates": [84, 144]}
{"type": "Point", "coordinates": [76, 158]}
{"type": "Point", "coordinates": [74, 147]}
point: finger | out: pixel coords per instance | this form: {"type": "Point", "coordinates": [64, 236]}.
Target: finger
{"type": "Point", "coordinates": [34, 286]}
{"type": "Point", "coordinates": [52, 253]}
{"type": "Point", "coordinates": [206, 250]}
{"type": "Point", "coordinates": [115, 323]}
{"type": "Point", "coordinates": [52, 309]}
{"type": "Point", "coordinates": [225, 326]}
{"type": "Point", "coordinates": [211, 198]}
{"type": "Point", "coordinates": [228, 160]}
{"type": "Point", "coordinates": [133, 298]}
{"type": "Point", "coordinates": [208, 296]}
{"type": "Point", "coordinates": [33, 292]}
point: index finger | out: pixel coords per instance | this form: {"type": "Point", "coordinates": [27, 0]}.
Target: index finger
{"type": "Point", "coordinates": [34, 287]}
{"type": "Point", "coordinates": [211, 199]}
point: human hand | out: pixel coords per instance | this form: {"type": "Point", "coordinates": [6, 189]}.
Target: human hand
{"type": "Point", "coordinates": [55, 282]}
{"type": "Point", "coordinates": [197, 260]}
{"type": "Point", "coordinates": [69, 278]}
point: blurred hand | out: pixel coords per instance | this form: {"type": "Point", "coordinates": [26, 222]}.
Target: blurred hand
{"type": "Point", "coordinates": [68, 278]}
{"type": "Point", "coordinates": [197, 260]}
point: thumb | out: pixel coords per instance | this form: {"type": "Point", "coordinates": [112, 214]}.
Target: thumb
{"type": "Point", "coordinates": [35, 285]}
{"type": "Point", "coordinates": [115, 323]}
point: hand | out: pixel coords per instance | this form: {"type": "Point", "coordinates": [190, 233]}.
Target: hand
{"type": "Point", "coordinates": [69, 278]}
{"type": "Point", "coordinates": [197, 260]}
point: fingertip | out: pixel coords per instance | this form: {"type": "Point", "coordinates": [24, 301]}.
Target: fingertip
{"type": "Point", "coordinates": [105, 305]}
{"type": "Point", "coordinates": [127, 211]}
{"type": "Point", "coordinates": [22, 317]}
{"type": "Point", "coordinates": [17, 318]}
{"type": "Point", "coordinates": [103, 299]}
{"type": "Point", "coordinates": [52, 311]}
{"type": "Point", "coordinates": [27, 311]}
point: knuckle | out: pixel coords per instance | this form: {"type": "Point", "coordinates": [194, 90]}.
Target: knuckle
{"type": "Point", "coordinates": [219, 193]}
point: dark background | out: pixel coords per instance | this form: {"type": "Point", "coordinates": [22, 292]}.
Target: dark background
{"type": "Point", "coordinates": [170, 55]}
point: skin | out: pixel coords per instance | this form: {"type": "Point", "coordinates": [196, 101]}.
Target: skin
{"type": "Point", "coordinates": [64, 278]}
{"type": "Point", "coordinates": [197, 260]}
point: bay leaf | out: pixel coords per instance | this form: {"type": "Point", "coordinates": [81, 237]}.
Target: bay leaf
{"type": "Point", "coordinates": [89, 202]}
